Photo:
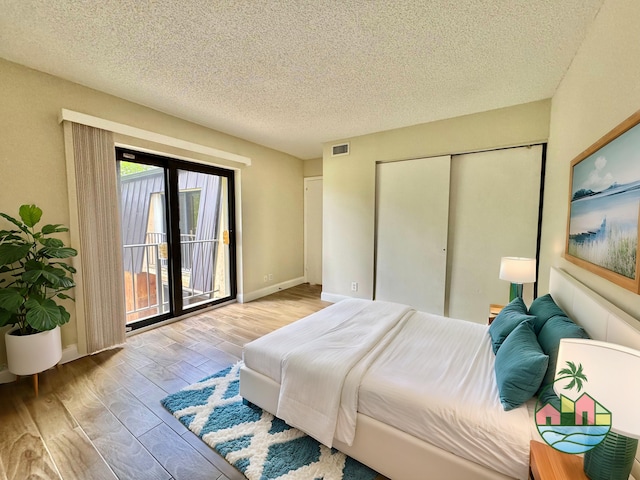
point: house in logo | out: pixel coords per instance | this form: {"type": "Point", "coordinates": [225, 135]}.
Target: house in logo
{"type": "Point", "coordinates": [583, 411]}
{"type": "Point", "coordinates": [548, 415]}
{"type": "Point", "coordinates": [590, 412]}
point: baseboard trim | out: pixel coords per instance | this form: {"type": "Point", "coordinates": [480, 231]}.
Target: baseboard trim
{"type": "Point", "coordinates": [333, 297]}
{"type": "Point", "coordinates": [263, 292]}
{"type": "Point", "coordinates": [6, 376]}
{"type": "Point", "coordinates": [70, 353]}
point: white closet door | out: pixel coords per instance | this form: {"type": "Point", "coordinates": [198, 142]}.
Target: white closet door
{"type": "Point", "coordinates": [494, 213]}
{"type": "Point", "coordinates": [412, 212]}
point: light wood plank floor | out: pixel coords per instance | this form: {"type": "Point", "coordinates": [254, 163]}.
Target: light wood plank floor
{"type": "Point", "coordinates": [100, 417]}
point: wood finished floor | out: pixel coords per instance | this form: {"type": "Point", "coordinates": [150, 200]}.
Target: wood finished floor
{"type": "Point", "coordinates": [100, 417]}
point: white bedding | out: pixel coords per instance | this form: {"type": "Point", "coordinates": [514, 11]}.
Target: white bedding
{"type": "Point", "coordinates": [434, 380]}
{"type": "Point", "coordinates": [316, 375]}
{"type": "Point", "coordinates": [264, 354]}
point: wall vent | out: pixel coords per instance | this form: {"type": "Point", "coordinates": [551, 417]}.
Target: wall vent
{"type": "Point", "coordinates": [338, 150]}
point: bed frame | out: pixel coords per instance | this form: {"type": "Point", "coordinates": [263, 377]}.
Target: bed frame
{"type": "Point", "coordinates": [398, 455]}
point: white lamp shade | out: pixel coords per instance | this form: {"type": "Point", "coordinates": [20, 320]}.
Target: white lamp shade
{"type": "Point", "coordinates": [518, 269]}
{"type": "Point", "coordinates": [611, 372]}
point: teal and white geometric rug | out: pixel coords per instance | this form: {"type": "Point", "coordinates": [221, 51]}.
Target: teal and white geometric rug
{"type": "Point", "coordinates": [258, 444]}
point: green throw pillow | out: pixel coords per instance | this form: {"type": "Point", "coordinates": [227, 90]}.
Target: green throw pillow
{"type": "Point", "coordinates": [544, 308]}
{"type": "Point", "coordinates": [520, 366]}
{"type": "Point", "coordinates": [507, 320]}
{"type": "Point", "coordinates": [549, 339]}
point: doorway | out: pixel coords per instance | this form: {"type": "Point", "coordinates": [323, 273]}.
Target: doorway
{"type": "Point", "coordinates": [178, 236]}
{"type": "Point", "coordinates": [313, 230]}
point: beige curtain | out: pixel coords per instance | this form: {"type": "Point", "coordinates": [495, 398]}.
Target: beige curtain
{"type": "Point", "coordinates": [100, 278]}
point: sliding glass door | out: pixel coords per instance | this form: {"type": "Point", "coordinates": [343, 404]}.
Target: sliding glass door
{"type": "Point", "coordinates": [204, 237]}
{"type": "Point", "coordinates": [177, 231]}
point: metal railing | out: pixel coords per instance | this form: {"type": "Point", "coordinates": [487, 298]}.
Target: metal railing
{"type": "Point", "coordinates": [198, 270]}
{"type": "Point", "coordinates": [151, 258]}
{"type": "Point", "coordinates": [148, 258]}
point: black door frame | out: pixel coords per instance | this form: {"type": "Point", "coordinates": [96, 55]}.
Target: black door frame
{"type": "Point", "coordinates": [171, 167]}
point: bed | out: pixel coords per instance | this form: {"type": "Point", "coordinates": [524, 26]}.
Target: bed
{"type": "Point", "coordinates": [380, 419]}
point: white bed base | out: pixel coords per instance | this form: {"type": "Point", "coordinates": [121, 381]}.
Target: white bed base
{"type": "Point", "coordinates": [389, 451]}
{"type": "Point", "coordinates": [400, 456]}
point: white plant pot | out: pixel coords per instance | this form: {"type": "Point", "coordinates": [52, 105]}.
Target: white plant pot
{"type": "Point", "coordinates": [34, 353]}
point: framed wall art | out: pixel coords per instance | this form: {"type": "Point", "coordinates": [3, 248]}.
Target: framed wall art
{"type": "Point", "coordinates": [604, 206]}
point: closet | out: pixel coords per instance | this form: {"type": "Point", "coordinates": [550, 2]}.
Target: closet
{"type": "Point", "coordinates": [443, 223]}
{"type": "Point", "coordinates": [412, 216]}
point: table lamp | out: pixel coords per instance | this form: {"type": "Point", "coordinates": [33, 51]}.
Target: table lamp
{"type": "Point", "coordinates": [610, 372]}
{"type": "Point", "coordinates": [517, 270]}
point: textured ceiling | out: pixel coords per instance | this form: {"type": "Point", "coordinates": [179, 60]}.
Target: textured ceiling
{"type": "Point", "coordinates": [293, 74]}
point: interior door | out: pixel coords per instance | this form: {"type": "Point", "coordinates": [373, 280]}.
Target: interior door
{"type": "Point", "coordinates": [313, 230]}
{"type": "Point", "coordinates": [412, 212]}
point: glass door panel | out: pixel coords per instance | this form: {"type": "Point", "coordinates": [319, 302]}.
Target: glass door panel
{"type": "Point", "coordinates": [177, 232]}
{"type": "Point", "coordinates": [144, 239]}
{"type": "Point", "coordinates": [204, 245]}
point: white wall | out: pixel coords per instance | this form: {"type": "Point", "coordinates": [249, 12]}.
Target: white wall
{"type": "Point", "coordinates": [349, 181]}
{"type": "Point", "coordinates": [599, 91]}
{"type": "Point", "coordinates": [313, 167]}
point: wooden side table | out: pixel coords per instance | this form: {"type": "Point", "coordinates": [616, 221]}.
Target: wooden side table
{"type": "Point", "coordinates": [547, 463]}
{"type": "Point", "coordinates": [494, 310]}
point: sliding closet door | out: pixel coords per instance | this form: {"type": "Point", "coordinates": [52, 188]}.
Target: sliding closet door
{"type": "Point", "coordinates": [494, 213]}
{"type": "Point", "coordinates": [412, 210]}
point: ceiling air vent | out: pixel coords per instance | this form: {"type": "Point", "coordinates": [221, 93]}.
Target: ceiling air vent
{"type": "Point", "coordinates": [342, 149]}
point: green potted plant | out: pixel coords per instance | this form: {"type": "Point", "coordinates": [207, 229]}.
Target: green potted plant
{"type": "Point", "coordinates": [33, 276]}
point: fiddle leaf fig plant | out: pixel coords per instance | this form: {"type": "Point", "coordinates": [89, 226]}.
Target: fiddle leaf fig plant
{"type": "Point", "coordinates": [33, 274]}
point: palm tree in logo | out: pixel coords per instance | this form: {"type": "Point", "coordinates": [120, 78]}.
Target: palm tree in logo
{"type": "Point", "coordinates": [575, 374]}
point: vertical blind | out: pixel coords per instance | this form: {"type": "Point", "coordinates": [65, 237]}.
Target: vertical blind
{"type": "Point", "coordinates": [101, 278]}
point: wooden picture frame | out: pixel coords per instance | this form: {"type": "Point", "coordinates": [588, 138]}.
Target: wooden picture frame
{"type": "Point", "coordinates": [603, 222]}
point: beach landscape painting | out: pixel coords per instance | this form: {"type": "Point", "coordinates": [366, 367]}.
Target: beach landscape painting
{"type": "Point", "coordinates": [604, 206]}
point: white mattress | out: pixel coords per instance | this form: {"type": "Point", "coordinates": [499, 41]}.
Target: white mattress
{"type": "Point", "coordinates": [436, 381]}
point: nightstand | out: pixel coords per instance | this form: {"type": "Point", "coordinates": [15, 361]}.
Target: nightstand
{"type": "Point", "coordinates": [547, 463]}
{"type": "Point", "coordinates": [494, 310]}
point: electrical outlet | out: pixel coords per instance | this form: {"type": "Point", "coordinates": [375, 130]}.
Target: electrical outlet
{"type": "Point", "coordinates": [266, 279]}
{"type": "Point", "coordinates": [354, 286]}
{"type": "Point", "coordinates": [270, 276]}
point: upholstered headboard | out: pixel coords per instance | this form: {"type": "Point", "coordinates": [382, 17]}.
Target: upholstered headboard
{"type": "Point", "coordinates": [600, 318]}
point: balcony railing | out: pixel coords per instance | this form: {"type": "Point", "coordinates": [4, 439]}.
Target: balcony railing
{"type": "Point", "coordinates": [161, 239]}
{"type": "Point", "coordinates": [146, 274]}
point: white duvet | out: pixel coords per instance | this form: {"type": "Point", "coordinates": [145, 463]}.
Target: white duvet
{"type": "Point", "coordinates": [436, 381]}
{"type": "Point", "coordinates": [320, 376]}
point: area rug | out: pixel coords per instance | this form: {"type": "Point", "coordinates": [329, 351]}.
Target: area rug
{"type": "Point", "coordinates": [258, 444]}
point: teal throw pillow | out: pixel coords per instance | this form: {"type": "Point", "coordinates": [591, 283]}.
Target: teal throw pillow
{"type": "Point", "coordinates": [544, 308]}
{"type": "Point", "coordinates": [507, 320]}
{"type": "Point", "coordinates": [549, 339]}
{"type": "Point", "coordinates": [520, 366]}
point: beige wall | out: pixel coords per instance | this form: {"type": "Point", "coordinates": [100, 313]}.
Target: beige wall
{"type": "Point", "coordinates": [599, 91]}
{"type": "Point", "coordinates": [32, 162]}
{"type": "Point", "coordinates": [349, 181]}
{"type": "Point", "coordinates": [313, 167]}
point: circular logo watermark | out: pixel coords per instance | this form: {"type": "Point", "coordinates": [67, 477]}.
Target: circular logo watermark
{"type": "Point", "coordinates": [571, 425]}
